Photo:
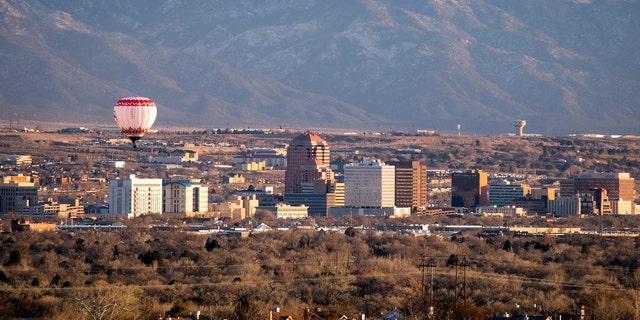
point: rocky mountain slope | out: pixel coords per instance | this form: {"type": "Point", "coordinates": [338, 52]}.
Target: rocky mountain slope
{"type": "Point", "coordinates": [564, 66]}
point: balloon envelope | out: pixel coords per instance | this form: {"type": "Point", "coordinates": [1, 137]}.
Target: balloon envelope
{"type": "Point", "coordinates": [134, 116]}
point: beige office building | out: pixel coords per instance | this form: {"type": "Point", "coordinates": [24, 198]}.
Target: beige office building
{"type": "Point", "coordinates": [187, 197]}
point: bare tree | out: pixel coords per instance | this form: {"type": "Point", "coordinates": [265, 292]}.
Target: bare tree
{"type": "Point", "coordinates": [105, 303]}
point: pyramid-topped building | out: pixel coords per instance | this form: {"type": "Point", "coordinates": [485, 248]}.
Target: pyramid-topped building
{"type": "Point", "coordinates": [308, 158]}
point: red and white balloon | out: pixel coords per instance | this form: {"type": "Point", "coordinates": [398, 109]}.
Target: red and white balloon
{"type": "Point", "coordinates": [135, 116]}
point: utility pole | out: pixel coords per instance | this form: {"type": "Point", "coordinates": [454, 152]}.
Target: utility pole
{"type": "Point", "coordinates": [432, 265]}
{"type": "Point", "coordinates": [422, 267]}
{"type": "Point", "coordinates": [455, 298]}
{"type": "Point", "coordinates": [461, 291]}
{"type": "Point", "coordinates": [464, 281]}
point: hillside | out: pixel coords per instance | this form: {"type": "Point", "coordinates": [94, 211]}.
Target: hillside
{"type": "Point", "coordinates": [565, 66]}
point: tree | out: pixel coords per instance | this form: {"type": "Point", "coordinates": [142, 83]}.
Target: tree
{"type": "Point", "coordinates": [212, 244]}
{"type": "Point", "coordinates": [351, 232]}
{"type": "Point", "coordinates": [150, 256]}
{"type": "Point", "coordinates": [508, 246]}
{"type": "Point", "coordinates": [246, 309]}
{"type": "Point", "coordinates": [178, 311]}
{"type": "Point", "coordinates": [15, 257]}
{"type": "Point", "coordinates": [79, 245]}
{"type": "Point", "coordinates": [452, 261]}
{"type": "Point", "coordinates": [55, 281]}
{"type": "Point", "coordinates": [106, 303]}
{"type": "Point", "coordinates": [116, 252]}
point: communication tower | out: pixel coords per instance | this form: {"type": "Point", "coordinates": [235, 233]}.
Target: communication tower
{"type": "Point", "coordinates": [519, 125]}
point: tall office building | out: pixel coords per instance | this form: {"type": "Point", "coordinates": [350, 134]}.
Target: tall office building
{"type": "Point", "coordinates": [369, 184]}
{"type": "Point", "coordinates": [308, 177]}
{"type": "Point", "coordinates": [469, 189]}
{"type": "Point", "coordinates": [411, 184]}
{"type": "Point", "coordinates": [308, 158]}
{"type": "Point", "coordinates": [565, 206]}
{"type": "Point", "coordinates": [504, 194]}
{"type": "Point", "coordinates": [17, 194]}
{"type": "Point", "coordinates": [601, 203]}
{"type": "Point", "coordinates": [188, 197]}
{"type": "Point", "coordinates": [618, 186]}
{"type": "Point", "coordinates": [318, 196]}
{"type": "Point", "coordinates": [134, 197]}
{"type": "Point", "coordinates": [548, 193]}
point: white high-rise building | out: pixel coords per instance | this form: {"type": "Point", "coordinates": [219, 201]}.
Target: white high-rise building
{"type": "Point", "coordinates": [370, 183]}
{"type": "Point", "coordinates": [188, 197]}
{"type": "Point", "coordinates": [134, 197]}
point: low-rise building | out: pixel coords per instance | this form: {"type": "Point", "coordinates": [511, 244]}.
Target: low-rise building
{"type": "Point", "coordinates": [16, 159]}
{"type": "Point", "coordinates": [176, 156]}
{"type": "Point", "coordinates": [27, 225]}
{"type": "Point", "coordinates": [501, 210]}
{"type": "Point", "coordinates": [54, 210]}
{"type": "Point", "coordinates": [250, 166]}
{"type": "Point", "coordinates": [273, 158]}
{"type": "Point", "coordinates": [285, 211]}
{"type": "Point", "coordinates": [237, 208]}
{"type": "Point", "coordinates": [393, 212]}
{"type": "Point", "coordinates": [232, 179]}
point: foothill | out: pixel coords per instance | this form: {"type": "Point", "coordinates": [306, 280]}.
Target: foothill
{"type": "Point", "coordinates": [308, 224]}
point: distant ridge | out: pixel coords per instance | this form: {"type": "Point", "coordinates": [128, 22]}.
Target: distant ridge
{"type": "Point", "coordinates": [563, 66]}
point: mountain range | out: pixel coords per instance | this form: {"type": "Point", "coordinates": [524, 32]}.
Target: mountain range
{"type": "Point", "coordinates": [564, 66]}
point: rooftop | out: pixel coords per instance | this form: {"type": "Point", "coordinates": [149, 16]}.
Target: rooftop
{"type": "Point", "coordinates": [308, 137]}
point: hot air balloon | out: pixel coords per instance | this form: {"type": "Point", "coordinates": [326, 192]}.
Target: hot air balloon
{"type": "Point", "coordinates": [134, 116]}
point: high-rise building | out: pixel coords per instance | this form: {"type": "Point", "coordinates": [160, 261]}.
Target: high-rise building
{"type": "Point", "coordinates": [504, 194]}
{"type": "Point", "coordinates": [469, 189]}
{"type": "Point", "coordinates": [308, 159]}
{"type": "Point", "coordinates": [17, 193]}
{"type": "Point", "coordinates": [565, 206]}
{"type": "Point", "coordinates": [309, 179]}
{"type": "Point", "coordinates": [619, 186]}
{"type": "Point", "coordinates": [318, 196]}
{"type": "Point", "coordinates": [601, 203]}
{"type": "Point", "coordinates": [134, 196]}
{"type": "Point", "coordinates": [188, 197]}
{"type": "Point", "coordinates": [369, 184]}
{"type": "Point", "coordinates": [548, 193]}
{"type": "Point", "coordinates": [411, 184]}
